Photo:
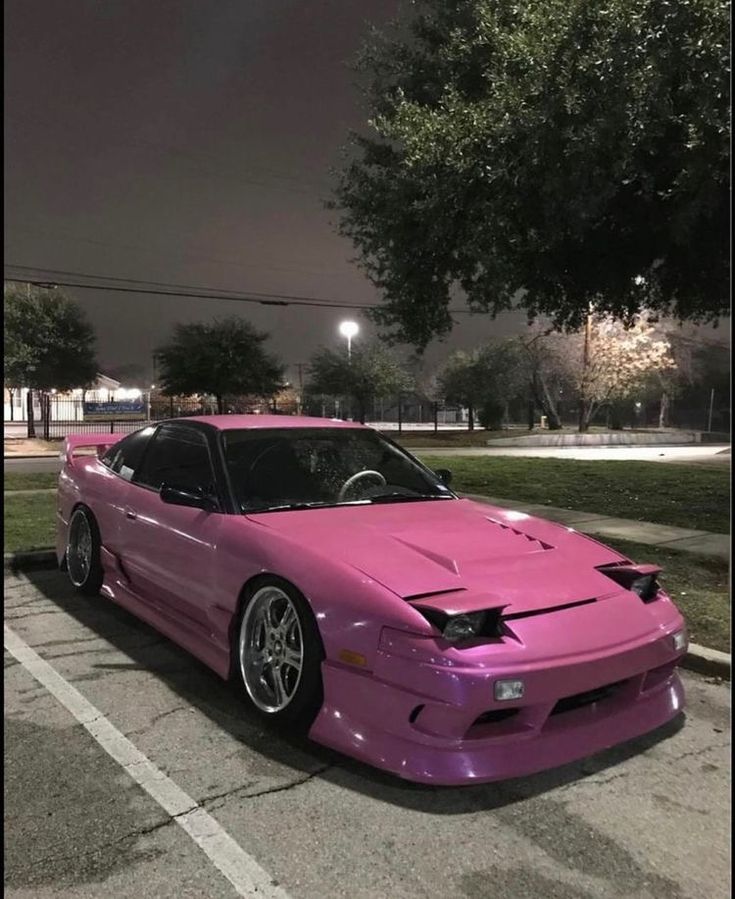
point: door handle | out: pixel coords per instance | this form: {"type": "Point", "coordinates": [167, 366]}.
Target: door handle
{"type": "Point", "coordinates": [131, 514]}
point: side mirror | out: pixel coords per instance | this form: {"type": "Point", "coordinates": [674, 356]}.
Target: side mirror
{"type": "Point", "coordinates": [444, 475]}
{"type": "Point", "coordinates": [182, 496]}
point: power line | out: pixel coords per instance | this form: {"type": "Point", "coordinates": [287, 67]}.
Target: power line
{"type": "Point", "coordinates": [158, 288]}
{"type": "Point", "coordinates": [157, 252]}
{"type": "Point", "coordinates": [144, 282]}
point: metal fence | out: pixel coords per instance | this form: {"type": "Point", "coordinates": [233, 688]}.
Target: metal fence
{"type": "Point", "coordinates": [61, 416]}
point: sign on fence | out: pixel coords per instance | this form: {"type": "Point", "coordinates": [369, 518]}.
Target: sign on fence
{"type": "Point", "coordinates": [119, 410]}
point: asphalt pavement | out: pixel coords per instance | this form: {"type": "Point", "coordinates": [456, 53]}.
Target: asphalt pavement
{"type": "Point", "coordinates": [648, 820]}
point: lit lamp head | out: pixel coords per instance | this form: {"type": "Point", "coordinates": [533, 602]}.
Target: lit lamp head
{"type": "Point", "coordinates": [348, 329]}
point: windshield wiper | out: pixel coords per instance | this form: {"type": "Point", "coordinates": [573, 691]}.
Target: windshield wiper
{"type": "Point", "coordinates": [407, 497]}
{"type": "Point", "coordinates": [380, 498]}
{"type": "Point", "coordinates": [288, 507]}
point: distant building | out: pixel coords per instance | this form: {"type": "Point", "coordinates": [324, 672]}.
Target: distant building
{"type": "Point", "coordinates": [65, 405]}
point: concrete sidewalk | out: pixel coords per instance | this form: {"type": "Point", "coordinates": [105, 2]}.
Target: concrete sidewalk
{"type": "Point", "coordinates": [681, 539]}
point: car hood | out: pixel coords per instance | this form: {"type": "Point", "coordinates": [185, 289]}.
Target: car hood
{"type": "Point", "coordinates": [481, 556]}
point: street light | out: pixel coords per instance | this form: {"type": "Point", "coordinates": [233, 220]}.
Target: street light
{"type": "Point", "coordinates": [348, 329]}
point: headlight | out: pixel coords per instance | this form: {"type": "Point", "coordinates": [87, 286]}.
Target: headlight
{"type": "Point", "coordinates": [465, 625]}
{"type": "Point", "coordinates": [639, 579]}
{"type": "Point", "coordinates": [646, 587]}
{"type": "Point", "coordinates": [462, 627]}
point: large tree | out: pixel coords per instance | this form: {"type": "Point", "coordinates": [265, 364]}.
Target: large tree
{"type": "Point", "coordinates": [547, 374]}
{"type": "Point", "coordinates": [49, 344]}
{"type": "Point", "coordinates": [485, 379]}
{"type": "Point", "coordinates": [224, 357]}
{"type": "Point", "coordinates": [549, 154]}
{"type": "Point", "coordinates": [369, 373]}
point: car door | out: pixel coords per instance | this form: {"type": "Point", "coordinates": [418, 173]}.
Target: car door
{"type": "Point", "coordinates": [168, 551]}
{"type": "Point", "coordinates": [119, 464]}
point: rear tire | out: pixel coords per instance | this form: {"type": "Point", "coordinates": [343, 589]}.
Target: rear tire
{"type": "Point", "coordinates": [278, 653]}
{"type": "Point", "coordinates": [82, 557]}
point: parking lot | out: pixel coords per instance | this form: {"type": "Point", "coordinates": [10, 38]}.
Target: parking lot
{"type": "Point", "coordinates": [649, 819]}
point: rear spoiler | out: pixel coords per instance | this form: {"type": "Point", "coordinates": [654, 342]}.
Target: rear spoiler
{"type": "Point", "coordinates": [80, 441]}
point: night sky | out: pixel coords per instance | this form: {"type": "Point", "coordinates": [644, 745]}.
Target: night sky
{"type": "Point", "coordinates": [189, 142]}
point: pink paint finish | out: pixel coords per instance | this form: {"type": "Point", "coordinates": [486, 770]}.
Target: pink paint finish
{"type": "Point", "coordinates": [258, 422]}
{"type": "Point", "coordinates": [420, 706]}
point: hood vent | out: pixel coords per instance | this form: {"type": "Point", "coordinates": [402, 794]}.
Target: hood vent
{"type": "Point", "coordinates": [507, 527]}
{"type": "Point", "coordinates": [432, 593]}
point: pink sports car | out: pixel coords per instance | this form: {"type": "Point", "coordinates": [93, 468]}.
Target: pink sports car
{"type": "Point", "coordinates": [351, 592]}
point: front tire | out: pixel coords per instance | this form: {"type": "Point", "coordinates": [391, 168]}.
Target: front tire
{"type": "Point", "coordinates": [279, 653]}
{"type": "Point", "coordinates": [83, 563]}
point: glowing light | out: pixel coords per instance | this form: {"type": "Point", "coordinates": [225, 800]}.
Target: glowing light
{"type": "Point", "coordinates": [127, 393]}
{"type": "Point", "coordinates": [348, 329]}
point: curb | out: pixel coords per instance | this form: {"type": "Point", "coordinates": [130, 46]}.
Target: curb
{"type": "Point", "coordinates": [698, 658]}
{"type": "Point", "coordinates": [622, 439]}
{"type": "Point", "coordinates": [11, 456]}
{"type": "Point", "coordinates": [30, 561]}
{"type": "Point", "coordinates": [707, 661]}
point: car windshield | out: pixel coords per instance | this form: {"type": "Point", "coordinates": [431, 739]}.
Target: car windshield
{"type": "Point", "coordinates": [288, 468]}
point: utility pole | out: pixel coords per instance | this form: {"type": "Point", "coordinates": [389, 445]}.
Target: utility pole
{"type": "Point", "coordinates": [711, 409]}
{"type": "Point", "coordinates": [585, 367]}
{"type": "Point", "coordinates": [300, 403]}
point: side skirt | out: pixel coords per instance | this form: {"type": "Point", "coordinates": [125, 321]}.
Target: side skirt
{"type": "Point", "coordinates": [206, 650]}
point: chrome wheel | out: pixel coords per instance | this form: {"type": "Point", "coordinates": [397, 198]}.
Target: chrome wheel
{"type": "Point", "coordinates": [79, 549]}
{"type": "Point", "coordinates": [271, 649]}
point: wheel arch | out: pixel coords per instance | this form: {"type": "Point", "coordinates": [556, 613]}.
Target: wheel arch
{"type": "Point", "coordinates": [78, 504]}
{"type": "Point", "coordinates": [246, 591]}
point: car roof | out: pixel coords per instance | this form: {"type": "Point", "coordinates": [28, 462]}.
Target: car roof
{"type": "Point", "coordinates": [253, 422]}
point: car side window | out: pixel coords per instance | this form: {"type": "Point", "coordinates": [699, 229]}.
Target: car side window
{"type": "Point", "coordinates": [178, 456]}
{"type": "Point", "coordinates": [124, 457]}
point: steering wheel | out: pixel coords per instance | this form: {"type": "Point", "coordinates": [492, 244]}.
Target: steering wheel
{"type": "Point", "coordinates": [353, 479]}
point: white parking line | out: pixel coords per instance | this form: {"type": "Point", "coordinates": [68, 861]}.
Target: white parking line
{"type": "Point", "coordinates": [241, 869]}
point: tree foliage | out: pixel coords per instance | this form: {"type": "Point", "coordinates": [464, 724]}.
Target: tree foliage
{"type": "Point", "coordinates": [619, 361]}
{"type": "Point", "coordinates": [550, 153]}
{"type": "Point", "coordinates": [49, 344]}
{"type": "Point", "coordinates": [370, 373]}
{"type": "Point", "coordinates": [223, 357]}
{"type": "Point", "coordinates": [483, 379]}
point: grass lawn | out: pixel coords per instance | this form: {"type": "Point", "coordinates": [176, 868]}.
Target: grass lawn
{"type": "Point", "coordinates": [29, 521]}
{"type": "Point", "coordinates": [699, 585]}
{"type": "Point", "coordinates": [686, 496]}
{"type": "Point", "coordinates": [29, 480]}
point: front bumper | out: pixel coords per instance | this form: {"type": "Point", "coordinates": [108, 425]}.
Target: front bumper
{"type": "Point", "coordinates": [427, 719]}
